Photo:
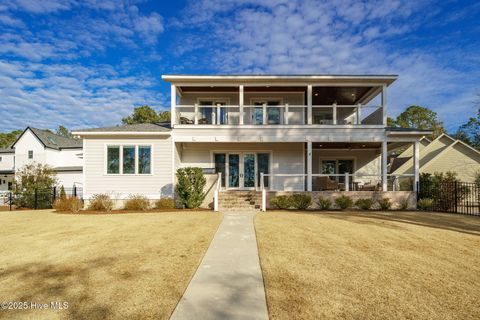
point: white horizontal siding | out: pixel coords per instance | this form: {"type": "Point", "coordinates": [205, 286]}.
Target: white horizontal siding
{"type": "Point", "coordinates": [159, 183]}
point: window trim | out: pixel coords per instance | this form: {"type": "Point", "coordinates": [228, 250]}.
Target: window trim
{"type": "Point", "coordinates": [126, 144]}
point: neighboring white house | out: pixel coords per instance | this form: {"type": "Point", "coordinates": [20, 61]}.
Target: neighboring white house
{"type": "Point", "coordinates": [7, 168]}
{"type": "Point", "coordinates": [64, 155]}
{"type": "Point", "coordinates": [323, 134]}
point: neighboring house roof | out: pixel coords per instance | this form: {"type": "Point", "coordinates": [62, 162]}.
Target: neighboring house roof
{"type": "Point", "coordinates": [398, 129]}
{"type": "Point", "coordinates": [9, 150]}
{"type": "Point", "coordinates": [138, 128]}
{"type": "Point", "coordinates": [72, 168]}
{"type": "Point", "coordinates": [435, 153]}
{"type": "Point", "coordinates": [52, 140]}
{"type": "Point", "coordinates": [7, 171]}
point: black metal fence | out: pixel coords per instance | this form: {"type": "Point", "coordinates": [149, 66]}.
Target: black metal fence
{"type": "Point", "coordinates": [453, 197]}
{"type": "Point", "coordinates": [37, 198]}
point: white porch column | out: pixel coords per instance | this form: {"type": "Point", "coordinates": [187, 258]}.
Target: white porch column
{"type": "Point", "coordinates": [309, 104]}
{"type": "Point", "coordinates": [309, 166]}
{"type": "Point", "coordinates": [384, 165]}
{"type": "Point", "coordinates": [264, 114]}
{"type": "Point", "coordinates": [416, 165]}
{"type": "Point", "coordinates": [334, 109]}
{"type": "Point", "coordinates": [384, 104]}
{"type": "Point", "coordinates": [173, 104]}
{"type": "Point", "coordinates": [241, 102]}
{"type": "Point", "coordinates": [196, 114]}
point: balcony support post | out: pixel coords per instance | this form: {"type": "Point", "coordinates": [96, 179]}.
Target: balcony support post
{"type": "Point", "coordinates": [264, 114]}
{"type": "Point", "coordinates": [359, 114]}
{"type": "Point", "coordinates": [416, 165]}
{"type": "Point", "coordinates": [241, 102]}
{"type": "Point", "coordinates": [384, 104]}
{"type": "Point", "coordinates": [309, 166]}
{"type": "Point", "coordinates": [196, 114]}
{"type": "Point", "coordinates": [384, 165]}
{"type": "Point", "coordinates": [219, 115]}
{"type": "Point", "coordinates": [309, 104]}
{"type": "Point", "coordinates": [334, 108]}
{"type": "Point", "coordinates": [285, 121]}
{"type": "Point", "coordinates": [173, 104]}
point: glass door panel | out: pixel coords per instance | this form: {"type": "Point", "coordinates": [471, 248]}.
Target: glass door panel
{"type": "Point", "coordinates": [263, 163]}
{"type": "Point", "coordinates": [344, 166]}
{"type": "Point", "coordinates": [220, 164]}
{"type": "Point", "coordinates": [233, 170]}
{"type": "Point", "coordinates": [249, 170]}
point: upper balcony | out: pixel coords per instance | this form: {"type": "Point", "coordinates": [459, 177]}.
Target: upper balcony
{"type": "Point", "coordinates": [200, 101]}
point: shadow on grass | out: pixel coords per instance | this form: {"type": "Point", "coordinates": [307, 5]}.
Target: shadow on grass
{"type": "Point", "coordinates": [43, 283]}
{"type": "Point", "coordinates": [459, 223]}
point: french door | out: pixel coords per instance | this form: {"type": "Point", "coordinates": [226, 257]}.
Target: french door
{"type": "Point", "coordinates": [240, 170]}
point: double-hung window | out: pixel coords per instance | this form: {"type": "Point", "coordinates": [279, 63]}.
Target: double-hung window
{"type": "Point", "coordinates": [129, 159]}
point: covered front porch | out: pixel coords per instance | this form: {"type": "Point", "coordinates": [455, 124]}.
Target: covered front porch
{"type": "Point", "coordinates": [277, 167]}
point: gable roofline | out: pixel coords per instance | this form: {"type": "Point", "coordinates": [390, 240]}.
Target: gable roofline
{"type": "Point", "coordinates": [404, 167]}
{"type": "Point", "coordinates": [457, 142]}
{"type": "Point", "coordinates": [32, 130]}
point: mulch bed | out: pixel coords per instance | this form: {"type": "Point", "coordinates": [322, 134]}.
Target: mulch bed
{"type": "Point", "coordinates": [90, 212]}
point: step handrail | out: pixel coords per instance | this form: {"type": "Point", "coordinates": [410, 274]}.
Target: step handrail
{"type": "Point", "coordinates": [216, 192]}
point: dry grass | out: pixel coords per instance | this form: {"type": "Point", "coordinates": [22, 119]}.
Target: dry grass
{"type": "Point", "coordinates": [130, 266]}
{"type": "Point", "coordinates": [349, 265]}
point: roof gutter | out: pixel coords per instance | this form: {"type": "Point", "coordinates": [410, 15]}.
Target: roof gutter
{"type": "Point", "coordinates": [119, 133]}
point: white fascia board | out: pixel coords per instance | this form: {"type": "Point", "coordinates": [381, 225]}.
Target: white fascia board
{"type": "Point", "coordinates": [117, 133]}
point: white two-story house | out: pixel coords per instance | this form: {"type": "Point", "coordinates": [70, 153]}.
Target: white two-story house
{"type": "Point", "coordinates": [260, 134]}
{"type": "Point", "coordinates": [34, 145]}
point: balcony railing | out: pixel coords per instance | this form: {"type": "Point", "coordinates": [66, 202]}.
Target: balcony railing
{"type": "Point", "coordinates": [278, 115]}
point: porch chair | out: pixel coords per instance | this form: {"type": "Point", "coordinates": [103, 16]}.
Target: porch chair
{"type": "Point", "coordinates": [325, 183]}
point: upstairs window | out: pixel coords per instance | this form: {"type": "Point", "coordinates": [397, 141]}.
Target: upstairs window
{"type": "Point", "coordinates": [0, 159]}
{"type": "Point", "coordinates": [30, 154]}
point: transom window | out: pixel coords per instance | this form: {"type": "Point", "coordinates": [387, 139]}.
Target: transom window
{"type": "Point", "coordinates": [129, 159]}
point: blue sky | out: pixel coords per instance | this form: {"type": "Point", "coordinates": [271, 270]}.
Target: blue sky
{"type": "Point", "coordinates": [88, 63]}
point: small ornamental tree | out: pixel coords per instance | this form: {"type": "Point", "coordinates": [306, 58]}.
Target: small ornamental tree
{"type": "Point", "coordinates": [62, 194]}
{"type": "Point", "coordinates": [34, 185]}
{"type": "Point", "coordinates": [190, 187]}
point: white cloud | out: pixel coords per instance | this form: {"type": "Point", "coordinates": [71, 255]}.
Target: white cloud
{"type": "Point", "coordinates": [48, 95]}
{"type": "Point", "coordinates": [338, 37]}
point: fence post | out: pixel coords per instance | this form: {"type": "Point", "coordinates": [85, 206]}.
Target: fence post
{"type": "Point", "coordinates": [417, 184]}
{"type": "Point", "coordinates": [10, 200]}
{"type": "Point", "coordinates": [36, 199]}
{"type": "Point", "coordinates": [75, 191]}
{"type": "Point", "coordinates": [54, 194]}
{"type": "Point", "coordinates": [456, 195]}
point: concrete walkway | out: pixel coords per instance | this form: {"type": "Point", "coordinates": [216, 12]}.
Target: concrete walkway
{"type": "Point", "coordinates": [228, 283]}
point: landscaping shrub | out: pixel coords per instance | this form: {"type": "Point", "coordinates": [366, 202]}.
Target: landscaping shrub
{"type": "Point", "coordinates": [281, 202]}
{"type": "Point", "coordinates": [68, 204]}
{"type": "Point", "coordinates": [324, 203]}
{"type": "Point", "coordinates": [190, 185]}
{"type": "Point", "coordinates": [425, 203]}
{"type": "Point", "coordinates": [165, 203]}
{"type": "Point", "coordinates": [385, 203]}
{"type": "Point", "coordinates": [301, 201]}
{"type": "Point", "coordinates": [137, 202]}
{"type": "Point", "coordinates": [364, 204]}
{"type": "Point", "coordinates": [101, 202]}
{"type": "Point", "coordinates": [403, 204]}
{"type": "Point", "coordinates": [344, 202]}
{"type": "Point", "coordinates": [62, 194]}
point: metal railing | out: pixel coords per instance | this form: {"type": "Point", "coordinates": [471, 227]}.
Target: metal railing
{"type": "Point", "coordinates": [37, 198]}
{"type": "Point", "coordinates": [278, 115]}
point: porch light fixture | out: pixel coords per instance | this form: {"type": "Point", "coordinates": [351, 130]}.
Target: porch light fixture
{"type": "Point", "coordinates": [316, 94]}
{"type": "Point", "coordinates": [363, 146]}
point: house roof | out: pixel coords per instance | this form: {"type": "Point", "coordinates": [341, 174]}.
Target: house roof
{"type": "Point", "coordinates": [387, 79]}
{"type": "Point", "coordinates": [138, 128]}
{"type": "Point", "coordinates": [399, 129]}
{"type": "Point", "coordinates": [8, 150]}
{"type": "Point", "coordinates": [52, 140]}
